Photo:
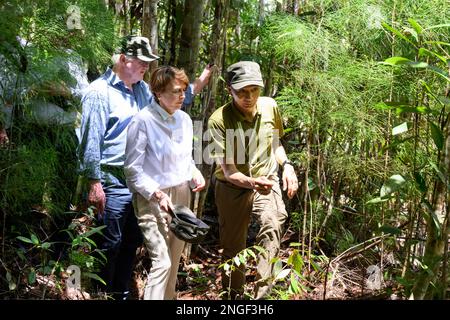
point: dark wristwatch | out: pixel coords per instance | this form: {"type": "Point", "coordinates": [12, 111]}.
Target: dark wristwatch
{"type": "Point", "coordinates": [285, 162]}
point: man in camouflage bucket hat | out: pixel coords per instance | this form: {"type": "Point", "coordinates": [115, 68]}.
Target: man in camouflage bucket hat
{"type": "Point", "coordinates": [247, 174]}
{"type": "Point", "coordinates": [109, 104]}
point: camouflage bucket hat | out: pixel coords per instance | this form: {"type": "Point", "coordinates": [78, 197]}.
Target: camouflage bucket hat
{"type": "Point", "coordinates": [138, 47]}
{"type": "Point", "coordinates": [244, 73]}
{"type": "Point", "coordinates": [186, 226]}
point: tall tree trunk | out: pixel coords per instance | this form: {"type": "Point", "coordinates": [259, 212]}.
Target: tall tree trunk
{"type": "Point", "coordinates": [190, 36]}
{"type": "Point", "coordinates": [218, 40]}
{"type": "Point", "coordinates": [173, 31]}
{"type": "Point", "coordinates": [126, 17]}
{"type": "Point", "coordinates": [150, 27]}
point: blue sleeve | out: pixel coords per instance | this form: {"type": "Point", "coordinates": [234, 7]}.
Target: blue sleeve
{"type": "Point", "coordinates": [94, 121]}
{"type": "Point", "coordinates": [189, 95]}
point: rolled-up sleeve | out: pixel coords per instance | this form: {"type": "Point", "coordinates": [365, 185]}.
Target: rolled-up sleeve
{"type": "Point", "coordinates": [93, 127]}
{"type": "Point", "coordinates": [137, 179]}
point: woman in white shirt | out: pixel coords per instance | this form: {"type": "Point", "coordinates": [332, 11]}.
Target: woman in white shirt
{"type": "Point", "coordinates": [159, 169]}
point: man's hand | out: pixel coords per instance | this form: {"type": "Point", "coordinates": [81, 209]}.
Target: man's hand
{"type": "Point", "coordinates": [290, 181]}
{"type": "Point", "coordinates": [263, 185]}
{"type": "Point", "coordinates": [198, 182]}
{"type": "Point", "coordinates": [97, 197]}
{"type": "Point", "coordinates": [203, 80]}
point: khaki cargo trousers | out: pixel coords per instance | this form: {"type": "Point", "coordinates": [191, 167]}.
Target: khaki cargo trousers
{"type": "Point", "coordinates": [163, 247]}
{"type": "Point", "coordinates": [235, 206]}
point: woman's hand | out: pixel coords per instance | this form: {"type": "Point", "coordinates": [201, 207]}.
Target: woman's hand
{"type": "Point", "coordinates": [163, 200]}
{"type": "Point", "coordinates": [197, 183]}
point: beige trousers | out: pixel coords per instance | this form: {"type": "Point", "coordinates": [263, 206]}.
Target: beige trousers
{"type": "Point", "coordinates": [235, 206]}
{"type": "Point", "coordinates": [163, 247]}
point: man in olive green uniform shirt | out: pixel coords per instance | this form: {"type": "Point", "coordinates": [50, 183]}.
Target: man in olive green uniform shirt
{"type": "Point", "coordinates": [245, 144]}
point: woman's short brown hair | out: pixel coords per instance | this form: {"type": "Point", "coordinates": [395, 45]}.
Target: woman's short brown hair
{"type": "Point", "coordinates": [163, 75]}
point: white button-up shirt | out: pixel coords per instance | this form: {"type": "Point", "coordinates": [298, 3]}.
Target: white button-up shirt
{"type": "Point", "coordinates": [158, 150]}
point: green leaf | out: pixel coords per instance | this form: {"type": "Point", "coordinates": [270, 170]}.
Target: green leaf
{"type": "Point", "coordinates": [283, 274]}
{"type": "Point", "coordinates": [437, 135]}
{"type": "Point", "coordinates": [377, 200]}
{"type": "Point", "coordinates": [420, 181]}
{"type": "Point", "coordinates": [34, 239]}
{"type": "Point", "coordinates": [418, 64]}
{"type": "Point", "coordinates": [277, 266]}
{"type": "Point", "coordinates": [439, 72]}
{"type": "Point", "coordinates": [47, 270]}
{"type": "Point", "coordinates": [12, 286]}
{"type": "Point", "coordinates": [445, 25]}
{"type": "Point", "coordinates": [101, 254]}
{"type": "Point", "coordinates": [296, 260]}
{"type": "Point", "coordinates": [46, 245]}
{"type": "Point", "coordinates": [92, 242]}
{"type": "Point", "coordinates": [395, 61]}
{"type": "Point", "coordinates": [442, 43]}
{"type": "Point", "coordinates": [419, 109]}
{"type": "Point", "coordinates": [94, 276]}
{"type": "Point", "coordinates": [315, 266]}
{"type": "Point", "coordinates": [415, 25]}
{"type": "Point", "coordinates": [236, 260]}
{"type": "Point", "coordinates": [382, 106]}
{"type": "Point", "coordinates": [423, 52]}
{"type": "Point", "coordinates": [432, 217]}
{"type": "Point", "coordinates": [250, 252]}
{"type": "Point", "coordinates": [400, 129]}
{"type": "Point", "coordinates": [32, 277]}
{"type": "Point", "coordinates": [295, 244]}
{"type": "Point", "coordinates": [390, 229]}
{"type": "Point", "coordinates": [93, 231]}
{"type": "Point", "coordinates": [397, 33]}
{"type": "Point", "coordinates": [412, 32]}
{"type": "Point", "coordinates": [294, 284]}
{"type": "Point", "coordinates": [259, 248]}
{"type": "Point", "coordinates": [393, 184]}
{"type": "Point", "coordinates": [24, 239]}
{"type": "Point", "coordinates": [69, 233]}
{"type": "Point", "coordinates": [21, 255]}
{"type": "Point", "coordinates": [311, 184]}
{"type": "Point", "coordinates": [439, 173]}
{"type": "Point", "coordinates": [299, 275]}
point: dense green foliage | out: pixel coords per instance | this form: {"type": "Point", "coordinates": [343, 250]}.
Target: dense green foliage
{"type": "Point", "coordinates": [363, 86]}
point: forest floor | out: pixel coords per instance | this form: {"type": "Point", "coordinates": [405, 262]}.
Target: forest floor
{"type": "Point", "coordinates": [199, 277]}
